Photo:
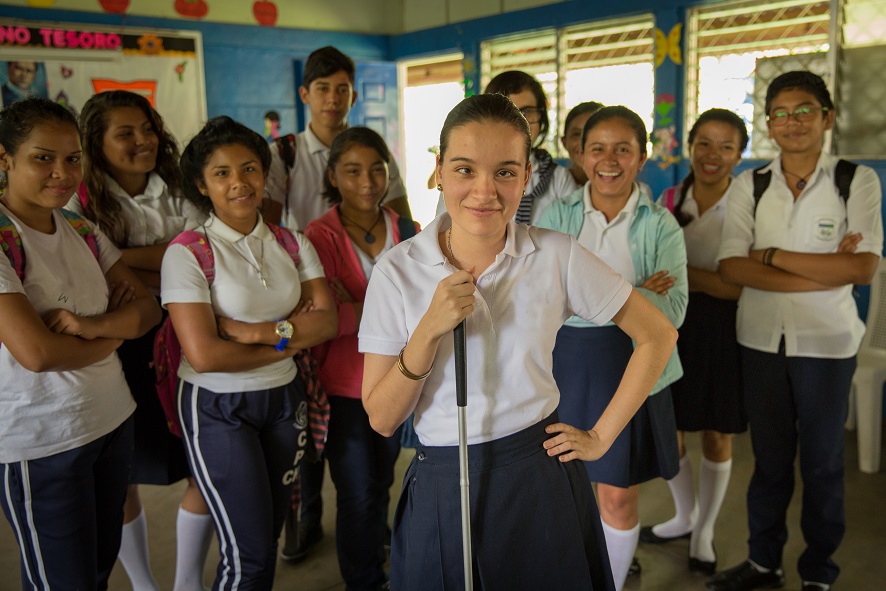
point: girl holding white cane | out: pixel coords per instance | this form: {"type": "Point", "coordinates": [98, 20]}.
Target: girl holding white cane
{"type": "Point", "coordinates": [535, 522]}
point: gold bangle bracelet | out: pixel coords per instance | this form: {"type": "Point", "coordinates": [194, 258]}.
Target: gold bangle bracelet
{"type": "Point", "coordinates": [408, 374]}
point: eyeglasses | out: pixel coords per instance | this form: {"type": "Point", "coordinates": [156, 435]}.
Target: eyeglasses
{"type": "Point", "coordinates": [532, 114]}
{"type": "Point", "coordinates": [801, 115]}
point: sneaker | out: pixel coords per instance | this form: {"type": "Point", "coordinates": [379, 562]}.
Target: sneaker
{"type": "Point", "coordinates": [745, 577]}
{"type": "Point", "coordinates": [297, 549]}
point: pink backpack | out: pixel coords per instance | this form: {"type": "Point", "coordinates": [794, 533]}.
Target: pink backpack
{"type": "Point", "coordinates": [168, 352]}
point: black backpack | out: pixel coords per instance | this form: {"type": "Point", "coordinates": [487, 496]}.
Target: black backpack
{"type": "Point", "coordinates": [843, 175]}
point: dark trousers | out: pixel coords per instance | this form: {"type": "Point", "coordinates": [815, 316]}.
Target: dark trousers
{"type": "Point", "coordinates": [244, 449]}
{"type": "Point", "coordinates": [361, 463]}
{"type": "Point", "coordinates": [311, 480]}
{"type": "Point", "coordinates": [66, 511]}
{"type": "Point", "coordinates": [791, 402]}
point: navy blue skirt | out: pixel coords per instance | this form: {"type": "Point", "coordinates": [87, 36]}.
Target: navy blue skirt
{"type": "Point", "coordinates": [534, 520]}
{"type": "Point", "coordinates": [709, 396]}
{"type": "Point", "coordinates": [158, 456]}
{"type": "Point", "coordinates": [588, 366]}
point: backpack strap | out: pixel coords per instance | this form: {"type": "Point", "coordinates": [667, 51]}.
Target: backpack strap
{"type": "Point", "coordinates": [286, 147]}
{"type": "Point", "coordinates": [761, 183]}
{"type": "Point", "coordinates": [83, 195]}
{"type": "Point", "coordinates": [669, 197]}
{"type": "Point", "coordinates": [82, 227]}
{"type": "Point", "coordinates": [199, 247]}
{"type": "Point", "coordinates": [11, 242]}
{"type": "Point", "coordinates": [406, 227]}
{"type": "Point", "coordinates": [844, 172]}
{"type": "Point", "coordinates": [287, 241]}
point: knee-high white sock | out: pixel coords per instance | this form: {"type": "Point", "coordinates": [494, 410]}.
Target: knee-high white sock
{"type": "Point", "coordinates": [193, 533]}
{"type": "Point", "coordinates": [621, 545]}
{"type": "Point", "coordinates": [683, 490]}
{"type": "Point", "coordinates": [134, 554]}
{"type": "Point", "coordinates": [713, 479]}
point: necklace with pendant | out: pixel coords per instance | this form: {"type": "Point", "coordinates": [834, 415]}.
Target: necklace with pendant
{"type": "Point", "coordinates": [368, 237]}
{"type": "Point", "coordinates": [804, 180]}
{"type": "Point", "coordinates": [260, 268]}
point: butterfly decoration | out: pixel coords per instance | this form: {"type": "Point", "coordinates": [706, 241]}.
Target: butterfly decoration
{"type": "Point", "coordinates": [668, 46]}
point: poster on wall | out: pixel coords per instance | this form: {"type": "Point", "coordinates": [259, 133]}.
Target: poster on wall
{"type": "Point", "coordinates": [70, 63]}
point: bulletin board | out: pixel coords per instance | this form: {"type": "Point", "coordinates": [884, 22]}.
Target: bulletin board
{"type": "Point", "coordinates": [68, 63]}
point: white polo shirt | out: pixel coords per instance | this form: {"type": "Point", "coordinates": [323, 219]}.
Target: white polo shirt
{"type": "Point", "coordinates": [237, 292]}
{"type": "Point", "coordinates": [42, 414]}
{"type": "Point", "coordinates": [610, 240]}
{"type": "Point", "coordinates": [821, 324]}
{"type": "Point", "coordinates": [154, 217]}
{"type": "Point", "coordinates": [305, 202]}
{"type": "Point", "coordinates": [702, 234]}
{"type": "Point", "coordinates": [540, 279]}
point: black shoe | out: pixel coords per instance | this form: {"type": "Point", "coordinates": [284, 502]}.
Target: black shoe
{"type": "Point", "coordinates": [388, 539]}
{"type": "Point", "coordinates": [297, 547]}
{"type": "Point", "coordinates": [647, 536]}
{"type": "Point", "coordinates": [745, 577]}
{"type": "Point", "coordinates": [635, 568]}
{"type": "Point", "coordinates": [702, 567]}
{"type": "Point", "coordinates": [816, 587]}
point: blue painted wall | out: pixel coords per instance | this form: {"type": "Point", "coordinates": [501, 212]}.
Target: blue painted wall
{"type": "Point", "coordinates": [249, 70]}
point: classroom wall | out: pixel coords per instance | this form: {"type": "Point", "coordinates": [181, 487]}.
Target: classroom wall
{"type": "Point", "coordinates": [248, 69]}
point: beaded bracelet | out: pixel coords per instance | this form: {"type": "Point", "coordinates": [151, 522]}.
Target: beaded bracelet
{"type": "Point", "coordinates": [408, 374]}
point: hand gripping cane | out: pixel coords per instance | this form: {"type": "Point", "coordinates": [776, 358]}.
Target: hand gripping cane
{"type": "Point", "coordinates": [461, 399]}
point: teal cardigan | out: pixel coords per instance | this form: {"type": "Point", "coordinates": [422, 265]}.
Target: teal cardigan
{"type": "Point", "coordinates": [656, 242]}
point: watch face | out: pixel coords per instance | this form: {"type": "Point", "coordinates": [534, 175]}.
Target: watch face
{"type": "Point", "coordinates": [284, 329]}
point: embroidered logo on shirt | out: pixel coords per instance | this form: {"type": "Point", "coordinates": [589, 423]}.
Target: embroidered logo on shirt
{"type": "Point", "coordinates": [825, 228]}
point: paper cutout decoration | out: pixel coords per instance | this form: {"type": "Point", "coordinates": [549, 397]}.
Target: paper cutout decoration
{"type": "Point", "coordinates": [668, 46]}
{"type": "Point", "coordinates": [180, 70]}
{"type": "Point", "coordinates": [191, 8]}
{"type": "Point", "coordinates": [114, 6]}
{"type": "Point", "coordinates": [265, 12]}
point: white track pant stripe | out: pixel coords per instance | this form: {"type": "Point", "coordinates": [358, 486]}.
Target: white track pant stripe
{"type": "Point", "coordinates": [216, 506]}
{"type": "Point", "coordinates": [28, 529]}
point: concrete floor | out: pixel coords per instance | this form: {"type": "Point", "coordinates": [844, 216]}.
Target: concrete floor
{"type": "Point", "coordinates": [664, 567]}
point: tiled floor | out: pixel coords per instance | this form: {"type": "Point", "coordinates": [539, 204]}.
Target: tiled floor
{"type": "Point", "coordinates": [664, 567]}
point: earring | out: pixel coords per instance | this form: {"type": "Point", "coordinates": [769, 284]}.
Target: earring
{"type": "Point", "coordinates": [439, 187]}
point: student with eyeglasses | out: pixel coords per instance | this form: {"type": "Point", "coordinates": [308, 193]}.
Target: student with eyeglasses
{"type": "Point", "coordinates": [548, 180]}
{"type": "Point", "coordinates": [798, 327]}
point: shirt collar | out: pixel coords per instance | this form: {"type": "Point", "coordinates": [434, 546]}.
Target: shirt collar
{"type": "Point", "coordinates": [825, 165]}
{"type": "Point", "coordinates": [425, 248]}
{"type": "Point", "coordinates": [229, 234]}
{"type": "Point", "coordinates": [630, 207]}
{"type": "Point", "coordinates": [154, 189]}
{"type": "Point", "coordinates": [315, 146]}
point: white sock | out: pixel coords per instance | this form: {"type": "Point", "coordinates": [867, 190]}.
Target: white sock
{"type": "Point", "coordinates": [713, 479]}
{"type": "Point", "coordinates": [134, 554]}
{"type": "Point", "coordinates": [683, 490]}
{"type": "Point", "coordinates": [193, 534]}
{"type": "Point", "coordinates": [622, 544]}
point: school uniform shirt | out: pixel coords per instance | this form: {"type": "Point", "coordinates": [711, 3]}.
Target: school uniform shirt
{"type": "Point", "coordinates": [539, 279]}
{"type": "Point", "coordinates": [42, 414]}
{"type": "Point", "coordinates": [237, 292]}
{"type": "Point", "coordinates": [340, 366]}
{"type": "Point", "coordinates": [562, 183]}
{"type": "Point", "coordinates": [825, 323]}
{"type": "Point", "coordinates": [702, 234]}
{"type": "Point", "coordinates": [655, 243]}
{"type": "Point", "coordinates": [154, 217]}
{"type": "Point", "coordinates": [304, 202]}
{"type": "Point", "coordinates": [609, 239]}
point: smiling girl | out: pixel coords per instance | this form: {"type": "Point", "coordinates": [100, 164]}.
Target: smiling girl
{"type": "Point", "coordinates": [242, 403]}
{"type": "Point", "coordinates": [708, 398]}
{"type": "Point", "coordinates": [514, 285]}
{"type": "Point", "coordinates": [614, 217]}
{"type": "Point", "coordinates": [350, 239]}
{"type": "Point", "coordinates": [133, 193]}
{"type": "Point", "coordinates": [67, 302]}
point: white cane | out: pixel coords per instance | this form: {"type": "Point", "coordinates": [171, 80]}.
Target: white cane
{"type": "Point", "coordinates": [461, 399]}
